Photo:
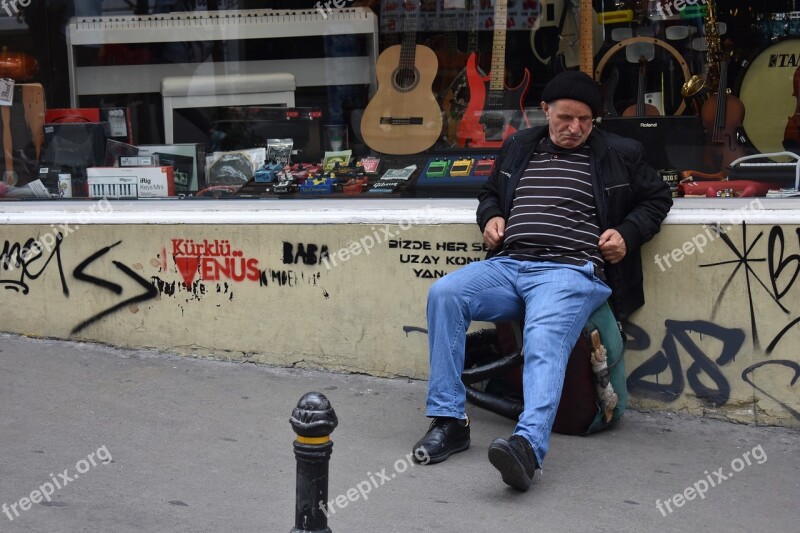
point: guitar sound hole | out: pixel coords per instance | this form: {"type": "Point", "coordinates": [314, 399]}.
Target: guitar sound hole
{"type": "Point", "coordinates": [405, 79]}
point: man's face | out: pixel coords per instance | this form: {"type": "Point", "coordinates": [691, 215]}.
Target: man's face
{"type": "Point", "coordinates": [570, 122]}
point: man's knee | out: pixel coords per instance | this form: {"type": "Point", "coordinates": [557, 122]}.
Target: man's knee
{"type": "Point", "coordinates": [443, 289]}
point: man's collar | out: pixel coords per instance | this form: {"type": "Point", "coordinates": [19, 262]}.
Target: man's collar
{"type": "Point", "coordinates": [547, 145]}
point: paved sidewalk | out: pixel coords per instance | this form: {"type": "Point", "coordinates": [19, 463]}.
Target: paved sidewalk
{"type": "Point", "coordinates": [146, 441]}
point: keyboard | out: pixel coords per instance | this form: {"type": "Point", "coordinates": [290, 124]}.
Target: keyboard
{"type": "Point", "coordinates": [113, 187]}
{"type": "Point", "coordinates": [770, 171]}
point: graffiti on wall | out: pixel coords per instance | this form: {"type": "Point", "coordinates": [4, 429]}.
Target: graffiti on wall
{"type": "Point", "coordinates": [217, 266]}
{"type": "Point", "coordinates": [434, 259]}
{"type": "Point", "coordinates": [96, 263]}
{"type": "Point", "coordinates": [25, 262]}
{"type": "Point", "coordinates": [661, 375]}
{"type": "Point", "coordinates": [213, 260]}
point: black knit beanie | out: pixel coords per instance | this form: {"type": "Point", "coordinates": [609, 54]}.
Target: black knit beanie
{"type": "Point", "coordinates": [575, 85]}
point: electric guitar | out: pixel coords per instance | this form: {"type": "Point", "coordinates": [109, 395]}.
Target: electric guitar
{"type": "Point", "coordinates": [586, 48]}
{"type": "Point", "coordinates": [456, 97]}
{"type": "Point", "coordinates": [452, 60]}
{"type": "Point", "coordinates": [493, 106]}
{"type": "Point", "coordinates": [403, 117]}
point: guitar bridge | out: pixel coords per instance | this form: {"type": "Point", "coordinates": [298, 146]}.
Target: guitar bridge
{"type": "Point", "coordinates": [402, 121]}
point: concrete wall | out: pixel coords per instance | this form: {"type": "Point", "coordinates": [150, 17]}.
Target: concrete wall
{"type": "Point", "coordinates": [718, 335]}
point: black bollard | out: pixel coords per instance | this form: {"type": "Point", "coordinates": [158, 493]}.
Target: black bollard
{"type": "Point", "coordinates": [313, 420]}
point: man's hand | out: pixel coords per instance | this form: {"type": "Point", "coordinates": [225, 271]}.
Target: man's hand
{"type": "Point", "coordinates": [494, 232]}
{"type": "Point", "coordinates": [611, 245]}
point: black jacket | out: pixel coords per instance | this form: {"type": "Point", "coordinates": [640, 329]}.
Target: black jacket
{"type": "Point", "coordinates": [629, 196]}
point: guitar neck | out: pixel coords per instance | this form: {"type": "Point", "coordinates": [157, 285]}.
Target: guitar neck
{"type": "Point", "coordinates": [642, 82]}
{"type": "Point", "coordinates": [408, 47]}
{"type": "Point", "coordinates": [497, 81]}
{"type": "Point", "coordinates": [586, 44]}
{"type": "Point", "coordinates": [472, 43]}
{"type": "Point", "coordinates": [722, 93]}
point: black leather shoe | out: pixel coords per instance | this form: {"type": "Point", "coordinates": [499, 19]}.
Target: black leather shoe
{"type": "Point", "coordinates": [445, 437]}
{"type": "Point", "coordinates": [515, 460]}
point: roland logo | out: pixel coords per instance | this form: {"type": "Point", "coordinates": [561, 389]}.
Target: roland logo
{"type": "Point", "coordinates": [648, 124]}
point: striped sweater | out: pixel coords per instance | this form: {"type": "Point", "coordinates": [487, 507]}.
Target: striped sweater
{"type": "Point", "coordinates": [553, 217]}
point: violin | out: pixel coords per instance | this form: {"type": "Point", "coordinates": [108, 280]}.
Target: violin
{"type": "Point", "coordinates": [640, 109]}
{"type": "Point", "coordinates": [722, 117]}
{"type": "Point", "coordinates": [791, 136]}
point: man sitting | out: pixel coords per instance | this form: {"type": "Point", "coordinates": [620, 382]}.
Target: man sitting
{"type": "Point", "coordinates": [565, 213]}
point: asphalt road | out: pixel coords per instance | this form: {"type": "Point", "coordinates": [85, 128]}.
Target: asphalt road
{"type": "Point", "coordinates": [146, 441]}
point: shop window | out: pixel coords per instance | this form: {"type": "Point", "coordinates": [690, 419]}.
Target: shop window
{"type": "Point", "coordinates": [422, 93]}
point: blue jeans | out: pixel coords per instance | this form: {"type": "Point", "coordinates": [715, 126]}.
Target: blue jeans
{"type": "Point", "coordinates": [555, 300]}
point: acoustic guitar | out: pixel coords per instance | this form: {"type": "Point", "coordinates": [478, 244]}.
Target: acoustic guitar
{"type": "Point", "coordinates": [403, 117]}
{"type": "Point", "coordinates": [493, 107]}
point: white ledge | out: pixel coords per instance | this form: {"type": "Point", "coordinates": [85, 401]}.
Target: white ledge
{"type": "Point", "coordinates": [349, 211]}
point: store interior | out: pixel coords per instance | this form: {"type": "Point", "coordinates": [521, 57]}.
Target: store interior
{"type": "Point", "coordinates": [371, 99]}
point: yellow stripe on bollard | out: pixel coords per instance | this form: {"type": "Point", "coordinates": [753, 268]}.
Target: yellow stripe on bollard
{"type": "Point", "coordinates": [313, 440]}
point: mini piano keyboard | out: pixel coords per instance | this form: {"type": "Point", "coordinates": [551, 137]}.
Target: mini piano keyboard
{"type": "Point", "coordinates": [752, 167]}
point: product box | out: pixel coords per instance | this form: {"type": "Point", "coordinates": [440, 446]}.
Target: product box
{"type": "Point", "coordinates": [71, 115]}
{"type": "Point", "coordinates": [117, 120]}
{"type": "Point", "coordinates": [139, 161]}
{"type": "Point", "coordinates": [256, 126]}
{"type": "Point", "coordinates": [74, 145]}
{"type": "Point", "coordinates": [119, 123]}
{"type": "Point", "coordinates": [57, 181]}
{"type": "Point", "coordinates": [131, 182]}
{"type": "Point", "coordinates": [188, 160]}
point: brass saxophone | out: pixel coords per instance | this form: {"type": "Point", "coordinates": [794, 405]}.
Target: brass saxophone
{"type": "Point", "coordinates": [700, 86]}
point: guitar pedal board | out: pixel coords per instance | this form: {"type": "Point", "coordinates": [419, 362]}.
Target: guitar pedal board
{"type": "Point", "coordinates": [461, 172]}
